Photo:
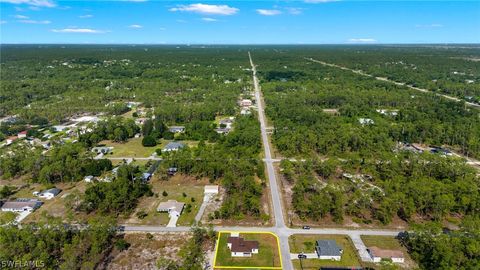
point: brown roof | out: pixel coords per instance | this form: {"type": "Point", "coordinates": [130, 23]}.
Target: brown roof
{"type": "Point", "coordinates": [241, 245]}
{"type": "Point", "coordinates": [385, 253]}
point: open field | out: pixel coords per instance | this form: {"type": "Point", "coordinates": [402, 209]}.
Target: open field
{"type": "Point", "coordinates": [131, 148]}
{"type": "Point", "coordinates": [268, 252]}
{"type": "Point", "coordinates": [146, 249]}
{"type": "Point", "coordinates": [175, 187]}
{"type": "Point", "coordinates": [306, 243]}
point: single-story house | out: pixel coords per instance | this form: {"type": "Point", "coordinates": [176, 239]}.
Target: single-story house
{"type": "Point", "coordinates": [176, 129]}
{"type": "Point", "coordinates": [227, 123]}
{"type": "Point", "coordinates": [365, 121]}
{"type": "Point", "coordinates": [21, 205]}
{"type": "Point", "coordinates": [22, 134]}
{"type": "Point", "coordinates": [88, 178]}
{"type": "Point", "coordinates": [172, 207]}
{"type": "Point", "coordinates": [89, 119]}
{"type": "Point", "coordinates": [378, 254]}
{"type": "Point", "coordinates": [328, 250]}
{"type": "Point", "coordinates": [173, 146]}
{"type": "Point", "coordinates": [224, 131]}
{"type": "Point", "coordinates": [246, 103]}
{"type": "Point", "coordinates": [242, 248]}
{"type": "Point", "coordinates": [49, 193]}
{"type": "Point", "coordinates": [211, 189]}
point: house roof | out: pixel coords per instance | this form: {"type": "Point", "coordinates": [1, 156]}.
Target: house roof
{"type": "Point", "coordinates": [385, 253]}
{"type": "Point", "coordinates": [19, 204]}
{"type": "Point", "coordinates": [241, 245]}
{"type": "Point", "coordinates": [328, 248]}
{"type": "Point", "coordinates": [174, 145]}
{"type": "Point", "coordinates": [170, 205]}
{"type": "Point", "coordinates": [54, 191]}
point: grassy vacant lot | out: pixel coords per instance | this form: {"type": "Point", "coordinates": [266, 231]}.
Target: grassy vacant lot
{"type": "Point", "coordinates": [306, 243]}
{"type": "Point", "coordinates": [174, 187]}
{"type": "Point", "coordinates": [268, 255]}
{"type": "Point", "coordinates": [146, 249]}
{"type": "Point", "coordinates": [132, 148]}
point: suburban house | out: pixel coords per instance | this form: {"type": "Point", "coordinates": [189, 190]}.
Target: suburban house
{"type": "Point", "coordinates": [328, 250]}
{"type": "Point", "coordinates": [49, 193]}
{"type": "Point", "coordinates": [172, 207]}
{"type": "Point", "coordinates": [365, 121]}
{"type": "Point", "coordinates": [226, 123]}
{"type": "Point", "coordinates": [88, 178]}
{"type": "Point", "coordinates": [22, 134]}
{"type": "Point", "coordinates": [242, 248]}
{"type": "Point", "coordinates": [246, 103]}
{"type": "Point", "coordinates": [176, 129]}
{"type": "Point", "coordinates": [173, 146]}
{"type": "Point", "coordinates": [379, 254]}
{"type": "Point", "coordinates": [224, 131]}
{"type": "Point", "coordinates": [21, 205]}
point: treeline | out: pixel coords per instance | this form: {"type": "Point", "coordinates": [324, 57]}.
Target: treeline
{"type": "Point", "coordinates": [118, 197]}
{"type": "Point", "coordinates": [64, 163]}
{"type": "Point", "coordinates": [434, 248]}
{"type": "Point", "coordinates": [117, 129]}
{"type": "Point", "coordinates": [55, 246]}
{"type": "Point", "coordinates": [407, 186]}
{"type": "Point", "coordinates": [234, 160]}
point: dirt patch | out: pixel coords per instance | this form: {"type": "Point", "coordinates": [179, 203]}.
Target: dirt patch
{"type": "Point", "coordinates": [144, 252]}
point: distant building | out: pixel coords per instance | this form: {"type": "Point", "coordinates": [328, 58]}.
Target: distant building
{"type": "Point", "coordinates": [21, 205]}
{"type": "Point", "coordinates": [365, 121]}
{"type": "Point", "coordinates": [176, 129]}
{"type": "Point", "coordinates": [328, 250]}
{"type": "Point", "coordinates": [245, 111]}
{"type": "Point", "coordinates": [226, 123]}
{"type": "Point", "coordinates": [49, 193]}
{"type": "Point", "coordinates": [172, 207]}
{"type": "Point", "coordinates": [88, 178]}
{"type": "Point", "coordinates": [379, 254]}
{"type": "Point", "coordinates": [387, 112]}
{"type": "Point", "coordinates": [223, 131]}
{"type": "Point", "coordinates": [242, 248]}
{"type": "Point", "coordinates": [173, 146]}
{"type": "Point", "coordinates": [211, 189]}
{"type": "Point", "coordinates": [246, 103]}
{"type": "Point", "coordinates": [22, 134]}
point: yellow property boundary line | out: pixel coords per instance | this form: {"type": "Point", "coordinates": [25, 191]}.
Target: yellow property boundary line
{"type": "Point", "coordinates": [246, 267]}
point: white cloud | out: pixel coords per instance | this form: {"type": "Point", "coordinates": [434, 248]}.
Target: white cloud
{"type": "Point", "coordinates": [34, 22]}
{"type": "Point", "coordinates": [362, 40]}
{"type": "Point", "coordinates": [181, 21]}
{"type": "Point", "coordinates": [20, 17]}
{"type": "Point", "coordinates": [86, 16]}
{"type": "Point", "coordinates": [37, 3]}
{"type": "Point", "coordinates": [269, 12]}
{"type": "Point", "coordinates": [78, 30]}
{"type": "Point", "coordinates": [3, 22]}
{"type": "Point", "coordinates": [294, 11]}
{"type": "Point", "coordinates": [206, 9]}
{"type": "Point", "coordinates": [209, 19]}
{"type": "Point", "coordinates": [433, 25]}
{"type": "Point", "coordinates": [135, 26]}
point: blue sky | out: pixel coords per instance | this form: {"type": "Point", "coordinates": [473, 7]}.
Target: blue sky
{"type": "Point", "coordinates": [239, 22]}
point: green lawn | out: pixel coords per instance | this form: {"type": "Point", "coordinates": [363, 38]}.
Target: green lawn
{"type": "Point", "coordinates": [267, 256]}
{"type": "Point", "coordinates": [132, 148]}
{"type": "Point", "coordinates": [306, 243]}
{"type": "Point", "coordinates": [385, 242]}
{"type": "Point", "coordinates": [175, 189]}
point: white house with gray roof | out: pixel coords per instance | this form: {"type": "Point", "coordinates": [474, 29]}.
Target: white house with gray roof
{"type": "Point", "coordinates": [328, 250]}
{"type": "Point", "coordinates": [173, 146]}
